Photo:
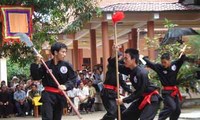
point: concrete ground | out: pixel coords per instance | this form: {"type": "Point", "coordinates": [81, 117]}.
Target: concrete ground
{"type": "Point", "coordinates": [187, 114]}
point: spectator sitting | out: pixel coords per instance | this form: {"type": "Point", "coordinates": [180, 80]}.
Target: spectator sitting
{"type": "Point", "coordinates": [12, 101]}
{"type": "Point", "coordinates": [14, 81]}
{"type": "Point", "coordinates": [22, 83]}
{"type": "Point", "coordinates": [6, 106]}
{"type": "Point", "coordinates": [3, 82]}
{"type": "Point", "coordinates": [90, 75]}
{"type": "Point", "coordinates": [20, 101]}
{"type": "Point", "coordinates": [72, 94]}
{"type": "Point", "coordinates": [97, 80]}
{"type": "Point", "coordinates": [82, 78]}
{"type": "Point", "coordinates": [39, 86]}
{"type": "Point", "coordinates": [91, 98]}
{"type": "Point", "coordinates": [82, 97]}
{"type": "Point", "coordinates": [28, 85]}
{"type": "Point", "coordinates": [31, 94]}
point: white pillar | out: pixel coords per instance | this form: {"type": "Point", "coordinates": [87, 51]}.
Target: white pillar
{"type": "Point", "coordinates": [3, 70]}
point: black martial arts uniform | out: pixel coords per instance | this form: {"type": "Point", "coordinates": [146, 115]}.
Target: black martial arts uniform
{"type": "Point", "coordinates": [170, 91]}
{"type": "Point", "coordinates": [109, 93]}
{"type": "Point", "coordinates": [52, 99]}
{"type": "Point", "coordinates": [145, 99]}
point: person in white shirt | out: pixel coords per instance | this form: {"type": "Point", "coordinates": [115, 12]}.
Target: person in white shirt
{"type": "Point", "coordinates": [82, 97]}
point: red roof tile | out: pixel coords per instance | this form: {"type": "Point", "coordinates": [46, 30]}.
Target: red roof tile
{"type": "Point", "coordinates": [147, 7]}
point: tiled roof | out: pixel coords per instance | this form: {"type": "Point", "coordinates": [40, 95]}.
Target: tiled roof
{"type": "Point", "coordinates": [103, 3]}
{"type": "Point", "coordinates": [147, 7]}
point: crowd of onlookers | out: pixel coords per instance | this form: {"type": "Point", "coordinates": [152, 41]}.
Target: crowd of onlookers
{"type": "Point", "coordinates": [84, 92]}
{"type": "Point", "coordinates": [16, 98]}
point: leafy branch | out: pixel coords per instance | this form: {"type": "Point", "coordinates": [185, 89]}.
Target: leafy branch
{"type": "Point", "coordinates": [49, 17]}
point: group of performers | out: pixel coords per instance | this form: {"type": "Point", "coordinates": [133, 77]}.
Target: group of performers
{"type": "Point", "coordinates": [145, 99]}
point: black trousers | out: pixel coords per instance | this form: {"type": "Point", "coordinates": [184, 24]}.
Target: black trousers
{"type": "Point", "coordinates": [109, 101]}
{"type": "Point", "coordinates": [22, 109]}
{"type": "Point", "coordinates": [147, 113]}
{"type": "Point", "coordinates": [171, 108]}
{"type": "Point", "coordinates": [6, 110]}
{"type": "Point", "coordinates": [90, 103]}
{"type": "Point", "coordinates": [52, 106]}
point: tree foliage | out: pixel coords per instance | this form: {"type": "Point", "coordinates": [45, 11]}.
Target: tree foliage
{"type": "Point", "coordinates": [15, 69]}
{"type": "Point", "coordinates": [194, 43]}
{"type": "Point", "coordinates": [17, 53]}
{"type": "Point", "coordinates": [49, 18]}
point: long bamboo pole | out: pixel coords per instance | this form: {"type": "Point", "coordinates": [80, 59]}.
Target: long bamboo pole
{"type": "Point", "coordinates": [58, 84]}
{"type": "Point", "coordinates": [24, 38]}
{"type": "Point", "coordinates": [117, 70]}
{"type": "Point", "coordinates": [63, 92]}
{"type": "Point", "coordinates": [182, 51]}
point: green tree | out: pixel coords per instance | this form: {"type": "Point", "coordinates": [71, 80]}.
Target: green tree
{"type": "Point", "coordinates": [15, 69]}
{"type": "Point", "coordinates": [169, 24]}
{"type": "Point", "coordinates": [49, 18]}
{"type": "Point", "coordinates": [194, 43]}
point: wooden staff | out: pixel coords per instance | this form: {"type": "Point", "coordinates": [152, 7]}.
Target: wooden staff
{"type": "Point", "coordinates": [117, 70]}
{"type": "Point", "coordinates": [24, 38]}
{"type": "Point", "coordinates": [182, 51]}
{"type": "Point", "coordinates": [63, 92]}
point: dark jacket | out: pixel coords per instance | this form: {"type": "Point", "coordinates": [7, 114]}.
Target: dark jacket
{"type": "Point", "coordinates": [167, 76]}
{"type": "Point", "coordinates": [140, 81]}
{"type": "Point", "coordinates": [63, 72]}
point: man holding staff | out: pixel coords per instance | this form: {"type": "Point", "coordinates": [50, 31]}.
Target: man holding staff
{"type": "Point", "coordinates": [145, 99]}
{"type": "Point", "coordinates": [109, 92]}
{"type": "Point", "coordinates": [52, 97]}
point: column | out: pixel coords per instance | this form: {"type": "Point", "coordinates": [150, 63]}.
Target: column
{"type": "Point", "coordinates": [93, 48]}
{"type": "Point", "coordinates": [75, 54]}
{"type": "Point", "coordinates": [150, 35]}
{"type": "Point", "coordinates": [105, 45]}
{"type": "Point", "coordinates": [133, 38]}
{"type": "Point", "coordinates": [80, 59]}
{"type": "Point", "coordinates": [3, 70]}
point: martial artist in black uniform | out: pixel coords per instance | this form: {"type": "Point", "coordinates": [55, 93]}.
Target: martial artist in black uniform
{"type": "Point", "coordinates": [109, 92]}
{"type": "Point", "coordinates": [167, 73]}
{"type": "Point", "coordinates": [52, 97]}
{"type": "Point", "coordinates": [145, 99]}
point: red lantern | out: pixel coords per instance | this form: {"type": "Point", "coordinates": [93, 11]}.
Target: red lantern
{"type": "Point", "coordinates": [118, 16]}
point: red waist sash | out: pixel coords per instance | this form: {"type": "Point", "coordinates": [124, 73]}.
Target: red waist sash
{"type": "Point", "coordinates": [53, 90]}
{"type": "Point", "coordinates": [111, 87]}
{"type": "Point", "coordinates": [175, 91]}
{"type": "Point", "coordinates": [147, 99]}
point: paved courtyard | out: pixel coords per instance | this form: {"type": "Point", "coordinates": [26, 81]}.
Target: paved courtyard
{"type": "Point", "coordinates": [187, 114]}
